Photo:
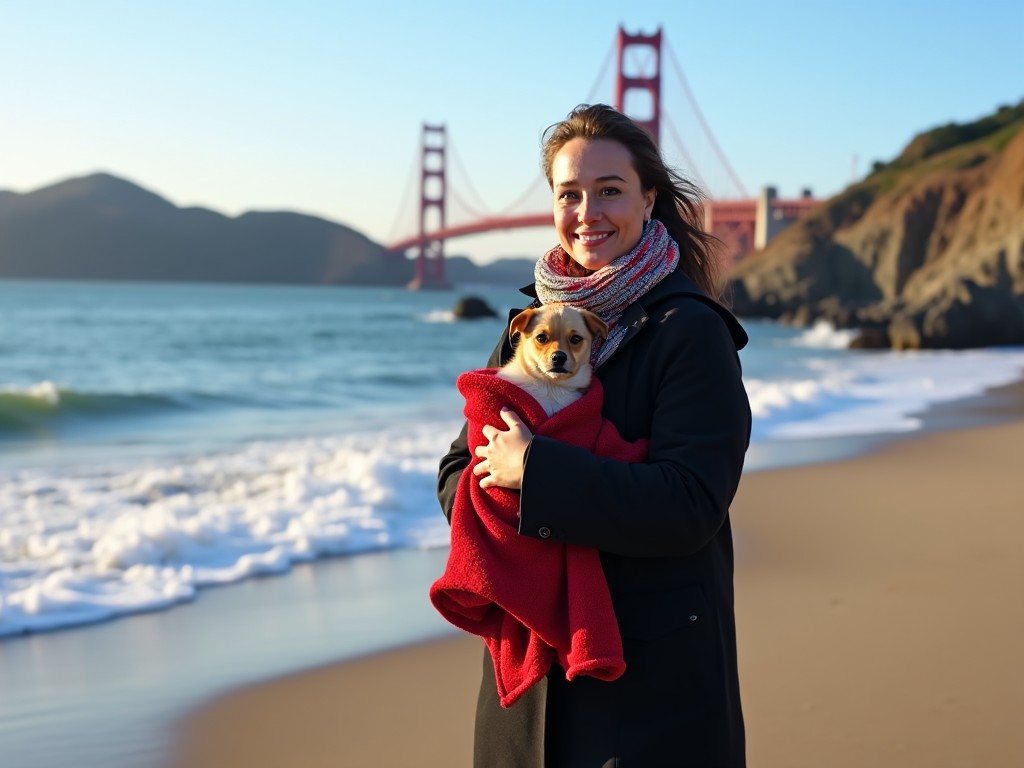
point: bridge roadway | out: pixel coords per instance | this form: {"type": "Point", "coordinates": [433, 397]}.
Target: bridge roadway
{"type": "Point", "coordinates": [743, 225]}
{"type": "Point", "coordinates": [491, 224]}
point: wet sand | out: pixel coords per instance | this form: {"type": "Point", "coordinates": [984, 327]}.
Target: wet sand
{"type": "Point", "coordinates": [879, 614]}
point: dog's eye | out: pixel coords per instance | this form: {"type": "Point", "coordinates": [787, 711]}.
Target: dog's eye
{"type": "Point", "coordinates": [575, 339]}
{"type": "Point", "coordinates": [542, 338]}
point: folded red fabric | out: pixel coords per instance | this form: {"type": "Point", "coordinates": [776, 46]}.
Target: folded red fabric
{"type": "Point", "coordinates": [531, 600]}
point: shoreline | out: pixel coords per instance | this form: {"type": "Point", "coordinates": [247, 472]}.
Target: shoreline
{"type": "Point", "coordinates": [874, 610]}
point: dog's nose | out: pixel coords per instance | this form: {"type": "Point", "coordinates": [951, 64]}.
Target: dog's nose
{"type": "Point", "coordinates": [558, 358]}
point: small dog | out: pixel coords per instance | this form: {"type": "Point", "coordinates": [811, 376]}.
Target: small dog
{"type": "Point", "coordinates": [552, 355]}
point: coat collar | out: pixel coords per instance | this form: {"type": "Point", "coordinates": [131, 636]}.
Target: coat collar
{"type": "Point", "coordinates": [675, 284]}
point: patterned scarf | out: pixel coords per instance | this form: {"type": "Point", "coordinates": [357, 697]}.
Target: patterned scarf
{"type": "Point", "coordinates": [611, 289]}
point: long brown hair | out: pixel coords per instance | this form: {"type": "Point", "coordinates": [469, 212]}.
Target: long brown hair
{"type": "Point", "coordinates": [677, 204]}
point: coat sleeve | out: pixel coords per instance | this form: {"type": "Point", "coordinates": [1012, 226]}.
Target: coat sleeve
{"type": "Point", "coordinates": [672, 504]}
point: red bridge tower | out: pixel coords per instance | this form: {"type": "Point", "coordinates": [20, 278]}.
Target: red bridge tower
{"type": "Point", "coordinates": [640, 82]}
{"type": "Point", "coordinates": [433, 186]}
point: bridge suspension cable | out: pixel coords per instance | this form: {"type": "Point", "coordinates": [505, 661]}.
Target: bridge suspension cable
{"type": "Point", "coordinates": [692, 170]}
{"type": "Point", "coordinates": [538, 181]}
{"type": "Point", "coordinates": [406, 205]}
{"type": "Point", "coordinates": [601, 74]}
{"type": "Point", "coordinates": [483, 211]}
{"type": "Point", "coordinates": [473, 212]}
{"type": "Point", "coordinates": [704, 124]}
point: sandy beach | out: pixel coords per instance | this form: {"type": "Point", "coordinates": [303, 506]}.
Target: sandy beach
{"type": "Point", "coordinates": [879, 622]}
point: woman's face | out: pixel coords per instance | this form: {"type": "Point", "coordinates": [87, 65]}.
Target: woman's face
{"type": "Point", "coordinates": [600, 206]}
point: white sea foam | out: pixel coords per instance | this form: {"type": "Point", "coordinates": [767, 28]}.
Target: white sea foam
{"type": "Point", "coordinates": [46, 391]}
{"type": "Point", "coordinates": [874, 392]}
{"type": "Point", "coordinates": [438, 316]}
{"type": "Point", "coordinates": [91, 545]}
{"type": "Point", "coordinates": [769, 397]}
{"type": "Point", "coordinates": [825, 335]}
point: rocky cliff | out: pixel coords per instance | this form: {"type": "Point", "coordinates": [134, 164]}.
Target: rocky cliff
{"type": "Point", "coordinates": [926, 252]}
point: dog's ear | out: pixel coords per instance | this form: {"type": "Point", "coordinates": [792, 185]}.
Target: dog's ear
{"type": "Point", "coordinates": [519, 323]}
{"type": "Point", "coordinates": [595, 324]}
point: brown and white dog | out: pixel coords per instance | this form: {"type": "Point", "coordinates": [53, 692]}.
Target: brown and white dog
{"type": "Point", "coordinates": [552, 355]}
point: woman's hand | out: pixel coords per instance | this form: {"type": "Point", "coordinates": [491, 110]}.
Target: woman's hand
{"type": "Point", "coordinates": [504, 453]}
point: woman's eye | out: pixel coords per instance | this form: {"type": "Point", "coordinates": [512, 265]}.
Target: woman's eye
{"type": "Point", "coordinates": [575, 339]}
{"type": "Point", "coordinates": [609, 191]}
{"type": "Point", "coordinates": [567, 196]}
{"type": "Point", "coordinates": [542, 338]}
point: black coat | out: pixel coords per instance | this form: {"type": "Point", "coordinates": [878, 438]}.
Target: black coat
{"type": "Point", "coordinates": [663, 531]}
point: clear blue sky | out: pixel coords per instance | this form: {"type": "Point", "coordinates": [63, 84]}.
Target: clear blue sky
{"type": "Point", "coordinates": [317, 106]}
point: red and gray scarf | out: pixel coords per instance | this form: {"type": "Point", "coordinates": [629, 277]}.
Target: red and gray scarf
{"type": "Point", "coordinates": [611, 289]}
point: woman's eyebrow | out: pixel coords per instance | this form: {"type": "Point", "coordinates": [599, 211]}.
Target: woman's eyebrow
{"type": "Point", "coordinates": [574, 182]}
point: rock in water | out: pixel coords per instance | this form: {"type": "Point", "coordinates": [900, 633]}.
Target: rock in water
{"type": "Point", "coordinates": [472, 307]}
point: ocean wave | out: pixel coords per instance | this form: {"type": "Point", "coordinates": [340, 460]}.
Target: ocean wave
{"type": "Point", "coordinates": [877, 393]}
{"type": "Point", "coordinates": [438, 316]}
{"type": "Point", "coordinates": [825, 335]}
{"type": "Point", "coordinates": [43, 403]}
{"type": "Point", "coordinates": [769, 398]}
{"type": "Point", "coordinates": [80, 548]}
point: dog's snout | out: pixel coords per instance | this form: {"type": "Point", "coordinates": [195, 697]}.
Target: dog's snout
{"type": "Point", "coordinates": [558, 357]}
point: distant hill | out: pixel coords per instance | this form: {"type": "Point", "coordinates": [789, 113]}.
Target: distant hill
{"type": "Point", "coordinates": [102, 227]}
{"type": "Point", "coordinates": [926, 252]}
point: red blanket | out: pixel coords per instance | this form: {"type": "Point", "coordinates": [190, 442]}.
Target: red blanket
{"type": "Point", "coordinates": [531, 600]}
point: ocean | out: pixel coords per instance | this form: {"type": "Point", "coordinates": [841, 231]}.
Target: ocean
{"type": "Point", "coordinates": [159, 440]}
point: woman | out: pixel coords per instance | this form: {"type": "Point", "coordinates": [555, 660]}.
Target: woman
{"type": "Point", "coordinates": [631, 248]}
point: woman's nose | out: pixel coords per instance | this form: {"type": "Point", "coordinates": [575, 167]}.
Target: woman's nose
{"type": "Point", "coordinates": [588, 209]}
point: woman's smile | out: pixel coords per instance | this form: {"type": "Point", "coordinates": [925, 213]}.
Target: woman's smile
{"type": "Point", "coordinates": [591, 238]}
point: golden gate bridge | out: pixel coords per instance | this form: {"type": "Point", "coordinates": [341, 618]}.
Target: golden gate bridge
{"type": "Point", "coordinates": [742, 222]}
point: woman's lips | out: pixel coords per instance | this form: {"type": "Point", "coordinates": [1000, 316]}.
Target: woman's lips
{"type": "Point", "coordinates": [592, 238]}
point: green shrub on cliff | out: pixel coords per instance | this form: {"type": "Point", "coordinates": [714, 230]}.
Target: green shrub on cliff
{"type": "Point", "coordinates": [953, 134]}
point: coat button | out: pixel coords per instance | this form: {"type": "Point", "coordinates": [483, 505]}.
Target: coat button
{"type": "Point", "coordinates": [544, 532]}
